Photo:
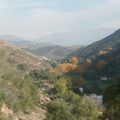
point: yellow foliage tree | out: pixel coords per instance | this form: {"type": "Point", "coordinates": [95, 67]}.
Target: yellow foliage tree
{"type": "Point", "coordinates": [101, 64]}
{"type": "Point", "coordinates": [74, 60]}
{"type": "Point", "coordinates": [102, 53]}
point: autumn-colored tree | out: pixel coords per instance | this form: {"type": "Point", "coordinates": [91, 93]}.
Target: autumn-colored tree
{"type": "Point", "coordinates": [101, 64]}
{"type": "Point", "coordinates": [65, 67]}
{"type": "Point", "coordinates": [102, 53]}
{"type": "Point", "coordinates": [74, 60]}
{"type": "Point", "coordinates": [110, 48]}
{"type": "Point", "coordinates": [79, 80]}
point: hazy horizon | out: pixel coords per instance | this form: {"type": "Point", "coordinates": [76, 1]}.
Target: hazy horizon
{"type": "Point", "coordinates": [35, 19]}
{"type": "Point", "coordinates": [81, 37]}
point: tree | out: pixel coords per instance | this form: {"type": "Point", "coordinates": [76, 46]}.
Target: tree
{"type": "Point", "coordinates": [23, 67]}
{"type": "Point", "coordinates": [78, 80]}
{"type": "Point", "coordinates": [62, 85]}
{"type": "Point", "coordinates": [74, 60]}
{"type": "Point", "coordinates": [112, 101]}
{"type": "Point", "coordinates": [101, 64]}
{"type": "Point", "coordinates": [102, 53]}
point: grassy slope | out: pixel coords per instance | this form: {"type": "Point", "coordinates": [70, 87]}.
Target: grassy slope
{"type": "Point", "coordinates": [17, 89]}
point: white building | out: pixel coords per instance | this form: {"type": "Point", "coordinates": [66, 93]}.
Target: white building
{"type": "Point", "coordinates": [98, 98]}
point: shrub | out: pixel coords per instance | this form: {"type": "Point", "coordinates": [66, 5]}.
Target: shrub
{"type": "Point", "coordinates": [23, 67]}
{"type": "Point", "coordinates": [71, 106]}
{"type": "Point", "coordinates": [20, 92]}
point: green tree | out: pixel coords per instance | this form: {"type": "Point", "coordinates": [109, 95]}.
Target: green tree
{"type": "Point", "coordinates": [62, 85]}
{"type": "Point", "coordinates": [112, 101]}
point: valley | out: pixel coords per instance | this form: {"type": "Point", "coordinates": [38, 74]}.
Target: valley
{"type": "Point", "coordinates": [43, 81]}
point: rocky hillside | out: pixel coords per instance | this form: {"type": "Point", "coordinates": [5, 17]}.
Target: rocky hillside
{"type": "Point", "coordinates": [15, 55]}
{"type": "Point", "coordinates": [20, 98]}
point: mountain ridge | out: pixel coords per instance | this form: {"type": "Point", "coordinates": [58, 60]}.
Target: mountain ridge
{"type": "Point", "coordinates": [93, 49]}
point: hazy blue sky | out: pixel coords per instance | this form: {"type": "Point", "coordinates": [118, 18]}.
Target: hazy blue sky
{"type": "Point", "coordinates": [36, 18]}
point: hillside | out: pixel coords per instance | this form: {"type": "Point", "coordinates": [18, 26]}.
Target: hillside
{"type": "Point", "coordinates": [93, 50]}
{"type": "Point", "coordinates": [102, 71]}
{"type": "Point", "coordinates": [105, 66]}
{"type": "Point", "coordinates": [20, 98]}
{"type": "Point", "coordinates": [98, 64]}
{"type": "Point", "coordinates": [17, 56]}
{"type": "Point", "coordinates": [46, 50]}
{"type": "Point", "coordinates": [52, 51]}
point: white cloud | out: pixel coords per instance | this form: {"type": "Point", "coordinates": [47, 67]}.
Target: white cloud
{"type": "Point", "coordinates": [37, 22]}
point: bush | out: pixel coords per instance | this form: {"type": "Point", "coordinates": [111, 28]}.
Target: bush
{"type": "Point", "coordinates": [43, 75]}
{"type": "Point", "coordinates": [23, 67]}
{"type": "Point", "coordinates": [2, 55]}
{"type": "Point", "coordinates": [59, 110]}
{"type": "Point", "coordinates": [18, 91]}
{"type": "Point", "coordinates": [71, 106]}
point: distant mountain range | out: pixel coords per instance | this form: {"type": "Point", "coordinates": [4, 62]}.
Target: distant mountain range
{"type": "Point", "coordinates": [81, 37]}
{"type": "Point", "coordinates": [14, 40]}
{"type": "Point", "coordinates": [60, 45]}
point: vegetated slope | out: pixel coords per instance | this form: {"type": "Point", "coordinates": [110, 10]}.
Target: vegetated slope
{"type": "Point", "coordinates": [99, 63]}
{"type": "Point", "coordinates": [107, 65]}
{"type": "Point", "coordinates": [104, 56]}
{"type": "Point", "coordinates": [16, 56]}
{"type": "Point", "coordinates": [93, 50]}
{"type": "Point", "coordinates": [19, 95]}
{"type": "Point", "coordinates": [52, 51]}
{"type": "Point", "coordinates": [47, 50]}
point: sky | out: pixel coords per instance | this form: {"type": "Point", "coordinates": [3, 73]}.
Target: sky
{"type": "Point", "coordinates": [37, 18]}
